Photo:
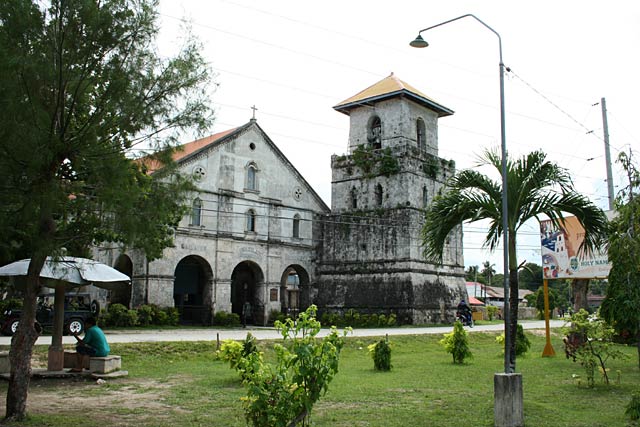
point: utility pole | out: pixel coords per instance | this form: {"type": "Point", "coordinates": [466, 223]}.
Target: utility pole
{"type": "Point", "coordinates": [607, 152]}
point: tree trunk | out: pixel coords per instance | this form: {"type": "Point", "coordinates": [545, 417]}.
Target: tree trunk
{"type": "Point", "coordinates": [22, 345]}
{"type": "Point", "coordinates": [580, 287]}
{"type": "Point", "coordinates": [513, 313]}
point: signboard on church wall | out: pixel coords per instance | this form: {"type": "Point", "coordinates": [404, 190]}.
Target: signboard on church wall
{"type": "Point", "coordinates": [560, 259]}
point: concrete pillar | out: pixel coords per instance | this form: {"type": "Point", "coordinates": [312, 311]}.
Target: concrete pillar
{"type": "Point", "coordinates": [508, 407]}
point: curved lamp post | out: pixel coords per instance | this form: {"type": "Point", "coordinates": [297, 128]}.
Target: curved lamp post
{"type": "Point", "coordinates": [509, 365]}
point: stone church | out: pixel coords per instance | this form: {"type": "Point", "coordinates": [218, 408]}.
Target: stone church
{"type": "Point", "coordinates": [258, 232]}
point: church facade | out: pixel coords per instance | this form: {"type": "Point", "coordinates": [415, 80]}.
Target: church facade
{"type": "Point", "coordinates": [257, 232]}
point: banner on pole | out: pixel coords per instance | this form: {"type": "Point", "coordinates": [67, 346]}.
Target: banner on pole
{"type": "Point", "coordinates": [560, 259]}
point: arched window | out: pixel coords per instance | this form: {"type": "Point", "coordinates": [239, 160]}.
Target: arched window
{"type": "Point", "coordinates": [296, 225]}
{"type": "Point", "coordinates": [425, 196]}
{"type": "Point", "coordinates": [251, 220]}
{"type": "Point", "coordinates": [354, 199]}
{"type": "Point", "coordinates": [375, 133]}
{"type": "Point", "coordinates": [252, 178]}
{"type": "Point", "coordinates": [421, 137]}
{"type": "Point", "coordinates": [196, 212]}
{"type": "Point", "coordinates": [379, 194]}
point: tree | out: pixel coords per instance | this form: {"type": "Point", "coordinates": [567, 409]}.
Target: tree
{"type": "Point", "coordinates": [530, 276]}
{"type": "Point", "coordinates": [472, 274]}
{"type": "Point", "coordinates": [534, 187]}
{"type": "Point", "coordinates": [82, 85]}
{"type": "Point", "coordinates": [488, 272]}
{"type": "Point", "coordinates": [620, 306]}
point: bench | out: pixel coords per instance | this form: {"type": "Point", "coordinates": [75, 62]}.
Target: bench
{"type": "Point", "coordinates": [97, 365]}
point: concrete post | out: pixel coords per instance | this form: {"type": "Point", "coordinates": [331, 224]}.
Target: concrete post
{"type": "Point", "coordinates": [508, 408]}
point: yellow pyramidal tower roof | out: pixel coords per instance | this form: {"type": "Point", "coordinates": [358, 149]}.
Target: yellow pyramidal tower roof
{"type": "Point", "coordinates": [390, 87]}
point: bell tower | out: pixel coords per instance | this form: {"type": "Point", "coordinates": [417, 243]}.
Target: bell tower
{"type": "Point", "coordinates": [371, 259]}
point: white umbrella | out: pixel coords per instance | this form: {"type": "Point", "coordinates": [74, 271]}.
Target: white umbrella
{"type": "Point", "coordinates": [73, 271]}
{"type": "Point", "coordinates": [62, 273]}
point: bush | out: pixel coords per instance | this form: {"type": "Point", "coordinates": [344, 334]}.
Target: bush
{"type": "Point", "coordinates": [633, 408]}
{"type": "Point", "coordinates": [222, 318]}
{"type": "Point", "coordinates": [457, 343]}
{"type": "Point", "coordinates": [492, 310]}
{"type": "Point", "coordinates": [173, 316]}
{"type": "Point", "coordinates": [355, 319]}
{"type": "Point", "coordinates": [119, 315]}
{"type": "Point", "coordinates": [381, 354]}
{"type": "Point", "coordinates": [145, 315]}
{"type": "Point", "coordinates": [522, 342]}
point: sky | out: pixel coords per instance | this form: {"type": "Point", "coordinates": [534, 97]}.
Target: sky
{"type": "Point", "coordinates": [294, 60]}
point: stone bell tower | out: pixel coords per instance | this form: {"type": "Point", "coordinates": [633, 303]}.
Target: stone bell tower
{"type": "Point", "coordinates": [370, 259]}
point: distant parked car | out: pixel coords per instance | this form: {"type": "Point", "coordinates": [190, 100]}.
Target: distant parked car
{"type": "Point", "coordinates": [77, 308]}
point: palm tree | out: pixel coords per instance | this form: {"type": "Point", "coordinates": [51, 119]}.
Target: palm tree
{"type": "Point", "coordinates": [535, 187]}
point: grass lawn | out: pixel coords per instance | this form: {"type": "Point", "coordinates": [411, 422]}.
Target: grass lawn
{"type": "Point", "coordinates": [181, 384]}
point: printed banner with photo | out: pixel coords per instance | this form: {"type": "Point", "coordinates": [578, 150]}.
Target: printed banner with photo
{"type": "Point", "coordinates": [560, 259]}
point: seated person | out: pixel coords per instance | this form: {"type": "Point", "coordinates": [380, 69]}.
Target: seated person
{"type": "Point", "coordinates": [94, 344]}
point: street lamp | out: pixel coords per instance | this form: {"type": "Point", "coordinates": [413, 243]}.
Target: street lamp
{"type": "Point", "coordinates": [419, 42]}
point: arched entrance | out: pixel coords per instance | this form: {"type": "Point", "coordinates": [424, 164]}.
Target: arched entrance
{"type": "Point", "coordinates": [121, 292]}
{"type": "Point", "coordinates": [294, 290]}
{"type": "Point", "coordinates": [192, 277]}
{"type": "Point", "coordinates": [246, 278]}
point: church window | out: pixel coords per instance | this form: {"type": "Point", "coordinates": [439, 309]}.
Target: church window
{"type": "Point", "coordinates": [296, 225]}
{"type": "Point", "coordinates": [421, 135]}
{"type": "Point", "coordinates": [379, 194]}
{"type": "Point", "coordinates": [375, 133]}
{"type": "Point", "coordinates": [425, 196]}
{"type": "Point", "coordinates": [196, 212]}
{"type": "Point", "coordinates": [251, 220]}
{"type": "Point", "coordinates": [252, 180]}
{"type": "Point", "coordinates": [354, 199]}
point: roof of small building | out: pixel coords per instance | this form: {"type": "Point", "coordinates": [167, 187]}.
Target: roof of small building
{"type": "Point", "coordinates": [390, 87]}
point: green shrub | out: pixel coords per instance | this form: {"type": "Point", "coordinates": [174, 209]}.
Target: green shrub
{"type": "Point", "coordinates": [145, 315]}
{"type": "Point", "coordinates": [173, 316]}
{"type": "Point", "coordinates": [633, 408]}
{"type": "Point", "coordinates": [492, 310]}
{"type": "Point", "coordinates": [118, 315]}
{"type": "Point", "coordinates": [10, 304]}
{"type": "Point", "coordinates": [457, 343]}
{"type": "Point", "coordinates": [381, 354]}
{"type": "Point", "coordinates": [522, 342]}
{"type": "Point", "coordinates": [222, 318]}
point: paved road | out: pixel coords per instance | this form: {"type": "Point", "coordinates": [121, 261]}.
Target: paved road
{"type": "Point", "coordinates": [209, 334]}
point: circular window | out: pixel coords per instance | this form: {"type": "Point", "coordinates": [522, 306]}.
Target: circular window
{"type": "Point", "coordinates": [252, 146]}
{"type": "Point", "coordinates": [199, 172]}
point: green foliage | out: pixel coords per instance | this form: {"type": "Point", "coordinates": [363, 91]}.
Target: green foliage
{"type": "Point", "coordinates": [381, 354]}
{"type": "Point", "coordinates": [222, 318]}
{"type": "Point", "coordinates": [457, 343]}
{"type": "Point", "coordinates": [356, 319]}
{"type": "Point", "coordinates": [633, 408]}
{"type": "Point", "coordinates": [535, 187]}
{"type": "Point", "coordinates": [538, 301]}
{"type": "Point", "coordinates": [375, 162]}
{"type": "Point", "coordinates": [620, 306]}
{"type": "Point", "coordinates": [119, 315]}
{"type": "Point", "coordinates": [10, 304]}
{"type": "Point", "coordinates": [590, 341]}
{"type": "Point", "coordinates": [522, 341]}
{"type": "Point", "coordinates": [284, 393]}
{"type": "Point", "coordinates": [145, 315]}
{"type": "Point", "coordinates": [492, 310]}
{"type": "Point", "coordinates": [530, 276]}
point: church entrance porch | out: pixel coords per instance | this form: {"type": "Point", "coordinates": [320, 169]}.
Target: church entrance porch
{"type": "Point", "coordinates": [294, 290]}
{"type": "Point", "coordinates": [193, 279]}
{"type": "Point", "coordinates": [247, 285]}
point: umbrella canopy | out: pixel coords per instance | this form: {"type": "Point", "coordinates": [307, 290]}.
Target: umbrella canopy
{"type": "Point", "coordinates": [72, 271]}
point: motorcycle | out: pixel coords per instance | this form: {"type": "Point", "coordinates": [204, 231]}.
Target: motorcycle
{"type": "Point", "coordinates": [465, 318]}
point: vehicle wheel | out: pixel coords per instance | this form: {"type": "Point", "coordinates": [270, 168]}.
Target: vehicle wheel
{"type": "Point", "coordinates": [75, 327]}
{"type": "Point", "coordinates": [13, 326]}
{"type": "Point", "coordinates": [95, 307]}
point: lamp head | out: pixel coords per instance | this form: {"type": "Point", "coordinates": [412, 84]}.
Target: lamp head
{"type": "Point", "coordinates": [419, 42]}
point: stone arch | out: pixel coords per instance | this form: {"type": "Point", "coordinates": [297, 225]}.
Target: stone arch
{"type": "Point", "coordinates": [374, 132]}
{"type": "Point", "coordinates": [191, 290]}
{"type": "Point", "coordinates": [294, 290]}
{"type": "Point", "coordinates": [120, 293]}
{"type": "Point", "coordinates": [251, 180]}
{"type": "Point", "coordinates": [247, 279]}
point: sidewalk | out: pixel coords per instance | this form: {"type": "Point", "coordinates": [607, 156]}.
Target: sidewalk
{"type": "Point", "coordinates": [262, 333]}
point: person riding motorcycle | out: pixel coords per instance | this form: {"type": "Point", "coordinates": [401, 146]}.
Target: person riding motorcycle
{"type": "Point", "coordinates": [465, 311]}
